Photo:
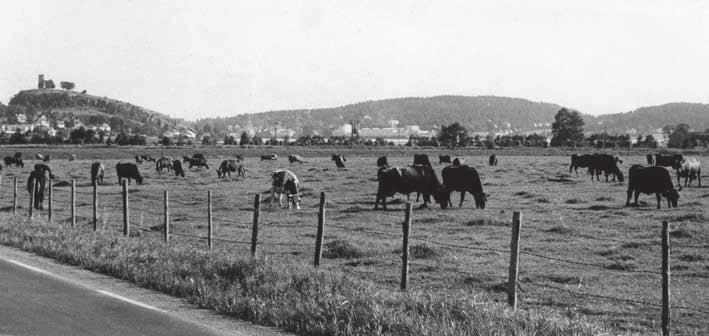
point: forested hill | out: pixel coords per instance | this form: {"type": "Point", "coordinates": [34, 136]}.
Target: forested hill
{"type": "Point", "coordinates": [646, 119]}
{"type": "Point", "coordinates": [480, 113]}
{"type": "Point", "coordinates": [62, 105]}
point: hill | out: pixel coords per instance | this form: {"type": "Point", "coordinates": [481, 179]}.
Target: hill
{"type": "Point", "coordinates": [647, 119]}
{"type": "Point", "coordinates": [60, 106]}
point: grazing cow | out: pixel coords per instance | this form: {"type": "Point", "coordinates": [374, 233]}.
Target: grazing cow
{"type": "Point", "coordinates": [285, 182]}
{"type": "Point", "coordinates": [39, 157]}
{"type": "Point", "coordinates": [163, 163]}
{"type": "Point", "coordinates": [649, 180]}
{"type": "Point", "coordinates": [420, 179]}
{"type": "Point", "coordinates": [269, 157]}
{"type": "Point", "coordinates": [421, 160]}
{"type": "Point", "coordinates": [444, 159]}
{"type": "Point", "coordinates": [339, 160]}
{"type": "Point", "coordinates": [583, 161]}
{"type": "Point", "coordinates": [197, 160]}
{"type": "Point", "coordinates": [690, 169]}
{"type": "Point", "coordinates": [464, 179]}
{"type": "Point", "coordinates": [239, 158]}
{"type": "Point", "coordinates": [229, 166]}
{"type": "Point", "coordinates": [606, 164]}
{"type": "Point", "coordinates": [295, 158]}
{"type": "Point", "coordinates": [650, 160]}
{"type": "Point", "coordinates": [47, 158]}
{"type": "Point", "coordinates": [492, 160]}
{"type": "Point", "coordinates": [96, 172]}
{"type": "Point", "coordinates": [39, 180]}
{"type": "Point", "coordinates": [72, 157]}
{"type": "Point", "coordinates": [128, 171]}
{"type": "Point", "coordinates": [139, 159]}
{"type": "Point", "coordinates": [382, 162]}
{"type": "Point", "coordinates": [13, 160]}
{"type": "Point", "coordinates": [177, 168]}
{"type": "Point", "coordinates": [147, 158]}
{"type": "Point", "coordinates": [674, 161]}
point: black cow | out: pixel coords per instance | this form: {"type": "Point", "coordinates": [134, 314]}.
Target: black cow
{"type": "Point", "coordinates": [690, 169]}
{"type": "Point", "coordinates": [285, 182]}
{"type": "Point", "coordinates": [583, 161]}
{"type": "Point", "coordinates": [269, 157]}
{"type": "Point", "coordinates": [674, 161]}
{"type": "Point", "coordinates": [295, 158]}
{"type": "Point", "coordinates": [492, 160]}
{"type": "Point", "coordinates": [382, 162]}
{"type": "Point", "coordinates": [650, 160]}
{"type": "Point", "coordinates": [163, 163]}
{"type": "Point", "coordinates": [197, 160]}
{"type": "Point", "coordinates": [457, 162]}
{"type": "Point", "coordinates": [444, 159]}
{"type": "Point", "coordinates": [652, 179]}
{"type": "Point", "coordinates": [606, 164]}
{"type": "Point", "coordinates": [410, 179]}
{"type": "Point", "coordinates": [339, 160]}
{"type": "Point", "coordinates": [464, 179]}
{"type": "Point", "coordinates": [13, 160]}
{"type": "Point", "coordinates": [421, 160]}
{"type": "Point", "coordinates": [96, 172]}
{"type": "Point", "coordinates": [229, 166]}
{"type": "Point", "coordinates": [38, 180]}
{"type": "Point", "coordinates": [177, 168]}
{"type": "Point", "coordinates": [128, 171]}
{"type": "Point", "coordinates": [47, 158]}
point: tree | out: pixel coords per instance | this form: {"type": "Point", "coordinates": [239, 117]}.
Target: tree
{"type": "Point", "coordinates": [679, 138]}
{"type": "Point", "coordinates": [453, 135]}
{"type": "Point", "coordinates": [67, 85]}
{"type": "Point", "coordinates": [567, 128]}
{"type": "Point", "coordinates": [244, 139]}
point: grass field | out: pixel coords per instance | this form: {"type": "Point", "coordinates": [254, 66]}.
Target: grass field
{"type": "Point", "coordinates": [581, 247]}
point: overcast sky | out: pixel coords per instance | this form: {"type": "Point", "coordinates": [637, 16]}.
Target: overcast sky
{"type": "Point", "coordinates": [193, 59]}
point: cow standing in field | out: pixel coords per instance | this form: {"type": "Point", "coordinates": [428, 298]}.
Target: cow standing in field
{"type": "Point", "coordinates": [177, 168]}
{"type": "Point", "coordinates": [295, 158]}
{"type": "Point", "coordinates": [650, 160]}
{"type": "Point", "coordinates": [421, 160]}
{"type": "Point", "coordinates": [38, 180]}
{"type": "Point", "coordinates": [382, 162]}
{"type": "Point", "coordinates": [163, 163]}
{"type": "Point", "coordinates": [420, 179]}
{"type": "Point", "coordinates": [649, 180]}
{"type": "Point", "coordinates": [464, 179]}
{"type": "Point", "coordinates": [444, 159]}
{"type": "Point", "coordinates": [269, 157]}
{"type": "Point", "coordinates": [583, 161]}
{"type": "Point", "coordinates": [339, 160]}
{"type": "Point", "coordinates": [47, 158]}
{"type": "Point", "coordinates": [690, 169]}
{"type": "Point", "coordinates": [606, 164]}
{"type": "Point", "coordinates": [72, 157]}
{"type": "Point", "coordinates": [197, 160]}
{"type": "Point", "coordinates": [96, 172]}
{"type": "Point", "coordinates": [285, 182]}
{"type": "Point", "coordinates": [128, 171]}
{"type": "Point", "coordinates": [674, 161]}
{"type": "Point", "coordinates": [44, 168]}
{"type": "Point", "coordinates": [229, 166]}
{"type": "Point", "coordinates": [239, 158]}
{"type": "Point", "coordinates": [12, 160]}
{"type": "Point", "coordinates": [492, 160]}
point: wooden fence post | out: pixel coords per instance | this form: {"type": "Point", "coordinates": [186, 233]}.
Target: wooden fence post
{"type": "Point", "coordinates": [14, 195]}
{"type": "Point", "coordinates": [254, 229]}
{"type": "Point", "coordinates": [49, 199]}
{"type": "Point", "coordinates": [665, 278]}
{"type": "Point", "coordinates": [126, 225]}
{"type": "Point", "coordinates": [405, 248]}
{"type": "Point", "coordinates": [209, 219]}
{"type": "Point", "coordinates": [32, 194]}
{"type": "Point", "coordinates": [514, 261]}
{"type": "Point", "coordinates": [95, 206]}
{"type": "Point", "coordinates": [321, 226]}
{"type": "Point", "coordinates": [167, 218]}
{"type": "Point", "coordinates": [73, 203]}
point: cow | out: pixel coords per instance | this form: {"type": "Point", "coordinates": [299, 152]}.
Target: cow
{"type": "Point", "coordinates": [47, 158]}
{"type": "Point", "coordinates": [13, 160]}
{"type": "Point", "coordinates": [690, 169]}
{"type": "Point", "coordinates": [444, 159]}
{"type": "Point", "coordinates": [295, 158]}
{"type": "Point", "coordinates": [39, 157]}
{"type": "Point", "coordinates": [44, 168]}
{"type": "Point", "coordinates": [269, 157]}
{"type": "Point", "coordinates": [339, 160]}
{"type": "Point", "coordinates": [128, 171]}
{"type": "Point", "coordinates": [239, 158]}
{"type": "Point", "coordinates": [72, 157]}
{"type": "Point", "coordinates": [464, 179]}
{"type": "Point", "coordinates": [177, 168]}
{"type": "Point", "coordinates": [37, 186]}
{"type": "Point", "coordinates": [674, 161]}
{"type": "Point", "coordinates": [648, 180]}
{"type": "Point", "coordinates": [382, 162]}
{"type": "Point", "coordinates": [650, 160]}
{"type": "Point", "coordinates": [96, 172]}
{"type": "Point", "coordinates": [285, 182]}
{"type": "Point", "coordinates": [421, 160]}
{"type": "Point", "coordinates": [606, 164]}
{"type": "Point", "coordinates": [583, 161]}
{"type": "Point", "coordinates": [492, 160]}
{"type": "Point", "coordinates": [163, 163]}
{"type": "Point", "coordinates": [407, 180]}
{"type": "Point", "coordinates": [147, 158]}
{"type": "Point", "coordinates": [197, 160]}
{"type": "Point", "coordinates": [229, 166]}
{"type": "Point", "coordinates": [139, 159]}
{"type": "Point", "coordinates": [457, 162]}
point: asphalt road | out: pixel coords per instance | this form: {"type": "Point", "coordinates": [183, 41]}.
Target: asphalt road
{"type": "Point", "coordinates": [34, 303]}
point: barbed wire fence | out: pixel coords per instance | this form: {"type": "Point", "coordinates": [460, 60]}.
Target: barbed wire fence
{"type": "Point", "coordinates": [103, 210]}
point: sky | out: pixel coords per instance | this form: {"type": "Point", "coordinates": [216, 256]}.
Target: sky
{"type": "Point", "coordinates": [196, 59]}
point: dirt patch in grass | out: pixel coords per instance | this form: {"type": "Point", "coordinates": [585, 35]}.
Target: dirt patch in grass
{"type": "Point", "coordinates": [543, 200]}
{"type": "Point", "coordinates": [573, 201]}
{"type": "Point", "coordinates": [363, 262]}
{"type": "Point", "coordinates": [524, 194]}
{"type": "Point", "coordinates": [693, 217]}
{"type": "Point", "coordinates": [691, 257]}
{"type": "Point", "coordinates": [680, 233]}
{"type": "Point", "coordinates": [342, 249]}
{"type": "Point", "coordinates": [623, 266]}
{"type": "Point", "coordinates": [423, 251]}
{"type": "Point", "coordinates": [486, 222]}
{"type": "Point", "coordinates": [598, 207]}
{"type": "Point", "coordinates": [562, 279]}
{"type": "Point", "coordinates": [560, 179]}
{"type": "Point", "coordinates": [604, 199]}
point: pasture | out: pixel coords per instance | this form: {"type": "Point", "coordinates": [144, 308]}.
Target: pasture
{"type": "Point", "coordinates": [583, 252]}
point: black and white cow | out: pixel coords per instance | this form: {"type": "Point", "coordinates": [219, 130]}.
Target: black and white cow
{"type": "Point", "coordinates": [96, 172]}
{"type": "Point", "coordinates": [285, 182]}
{"type": "Point", "coordinates": [269, 157]}
{"type": "Point", "coordinates": [492, 160]}
{"type": "Point", "coordinates": [690, 169]}
{"type": "Point", "coordinates": [295, 158]}
{"type": "Point", "coordinates": [339, 160]}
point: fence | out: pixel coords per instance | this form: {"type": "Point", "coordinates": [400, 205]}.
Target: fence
{"type": "Point", "coordinates": [98, 207]}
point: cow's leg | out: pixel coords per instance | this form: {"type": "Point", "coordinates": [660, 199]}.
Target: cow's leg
{"type": "Point", "coordinates": [630, 193]}
{"type": "Point", "coordinates": [699, 177]}
{"type": "Point", "coordinates": [637, 194]}
{"type": "Point", "coordinates": [462, 198]}
{"type": "Point", "coordinates": [280, 200]}
{"type": "Point", "coordinates": [418, 195]}
{"type": "Point", "coordinates": [296, 199]}
{"type": "Point", "coordinates": [273, 195]}
{"type": "Point", "coordinates": [659, 198]}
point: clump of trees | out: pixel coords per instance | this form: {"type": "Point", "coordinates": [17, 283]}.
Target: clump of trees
{"type": "Point", "coordinates": [567, 128]}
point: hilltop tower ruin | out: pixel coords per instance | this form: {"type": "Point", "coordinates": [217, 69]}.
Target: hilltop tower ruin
{"type": "Point", "coordinates": [40, 81]}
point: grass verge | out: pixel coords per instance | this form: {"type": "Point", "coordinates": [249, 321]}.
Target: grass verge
{"type": "Point", "coordinates": [293, 297]}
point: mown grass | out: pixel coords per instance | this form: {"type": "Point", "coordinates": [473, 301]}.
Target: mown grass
{"type": "Point", "coordinates": [294, 297]}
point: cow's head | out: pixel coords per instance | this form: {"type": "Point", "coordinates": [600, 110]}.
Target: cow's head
{"type": "Point", "coordinates": [219, 173]}
{"type": "Point", "coordinates": [480, 200]}
{"type": "Point", "coordinates": [672, 196]}
{"type": "Point", "coordinates": [441, 196]}
{"type": "Point", "coordinates": [139, 179]}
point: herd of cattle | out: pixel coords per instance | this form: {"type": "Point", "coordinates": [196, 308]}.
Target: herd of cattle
{"type": "Point", "coordinates": [420, 177]}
